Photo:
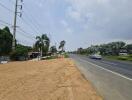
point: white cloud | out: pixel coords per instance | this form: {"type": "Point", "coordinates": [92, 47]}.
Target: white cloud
{"type": "Point", "coordinates": [112, 18]}
{"type": "Point", "coordinates": [64, 23]}
{"type": "Point", "coordinates": [75, 15]}
{"type": "Point", "coordinates": [68, 30]}
{"type": "Point", "coordinates": [66, 26]}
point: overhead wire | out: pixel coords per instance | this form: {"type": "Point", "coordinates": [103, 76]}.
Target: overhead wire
{"type": "Point", "coordinates": [33, 28]}
{"type": "Point", "coordinates": [27, 34]}
{"type": "Point", "coordinates": [24, 33]}
{"type": "Point", "coordinates": [2, 5]}
{"type": "Point", "coordinates": [5, 22]}
{"type": "Point", "coordinates": [32, 25]}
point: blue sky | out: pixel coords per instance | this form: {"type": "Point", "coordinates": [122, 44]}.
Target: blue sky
{"type": "Point", "coordinates": [80, 22]}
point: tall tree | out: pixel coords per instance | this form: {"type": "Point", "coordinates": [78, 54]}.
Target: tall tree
{"type": "Point", "coordinates": [129, 48]}
{"type": "Point", "coordinates": [5, 41]}
{"type": "Point", "coordinates": [42, 44]}
{"type": "Point", "coordinates": [62, 44]}
{"type": "Point", "coordinates": [53, 49]}
{"type": "Point", "coordinates": [116, 47]}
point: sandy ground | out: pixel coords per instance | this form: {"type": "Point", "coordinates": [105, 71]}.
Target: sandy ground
{"type": "Point", "coordinates": [44, 80]}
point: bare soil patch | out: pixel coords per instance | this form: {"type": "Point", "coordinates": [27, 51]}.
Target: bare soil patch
{"type": "Point", "coordinates": [56, 79]}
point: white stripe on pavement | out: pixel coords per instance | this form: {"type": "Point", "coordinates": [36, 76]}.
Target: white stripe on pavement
{"type": "Point", "coordinates": [107, 70]}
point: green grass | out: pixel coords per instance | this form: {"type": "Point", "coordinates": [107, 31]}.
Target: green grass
{"type": "Point", "coordinates": [66, 55]}
{"type": "Point", "coordinates": [50, 57]}
{"type": "Point", "coordinates": [54, 57]}
{"type": "Point", "coordinates": [124, 58]}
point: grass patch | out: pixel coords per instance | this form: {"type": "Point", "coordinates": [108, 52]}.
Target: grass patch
{"type": "Point", "coordinates": [49, 57]}
{"type": "Point", "coordinates": [66, 55]}
{"type": "Point", "coordinates": [124, 58]}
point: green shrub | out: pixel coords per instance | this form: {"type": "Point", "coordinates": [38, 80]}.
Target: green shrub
{"type": "Point", "coordinates": [18, 56]}
{"type": "Point", "coordinates": [122, 58]}
{"type": "Point", "coordinates": [20, 53]}
{"type": "Point", "coordinates": [130, 55]}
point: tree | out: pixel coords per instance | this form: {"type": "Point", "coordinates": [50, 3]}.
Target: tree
{"type": "Point", "coordinates": [129, 48]}
{"type": "Point", "coordinates": [53, 49]}
{"type": "Point", "coordinates": [62, 44]}
{"type": "Point", "coordinates": [42, 44]}
{"type": "Point", "coordinates": [20, 51]}
{"type": "Point", "coordinates": [112, 48]}
{"type": "Point", "coordinates": [116, 47]}
{"type": "Point", "coordinates": [5, 41]}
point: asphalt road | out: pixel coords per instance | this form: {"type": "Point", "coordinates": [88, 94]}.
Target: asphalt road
{"type": "Point", "coordinates": [112, 79]}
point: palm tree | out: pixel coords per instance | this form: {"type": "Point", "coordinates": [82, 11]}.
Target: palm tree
{"type": "Point", "coordinates": [42, 44]}
{"type": "Point", "coordinates": [62, 44]}
{"type": "Point", "coordinates": [53, 49]}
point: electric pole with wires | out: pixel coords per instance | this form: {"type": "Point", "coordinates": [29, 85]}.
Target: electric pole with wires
{"type": "Point", "coordinates": [15, 21]}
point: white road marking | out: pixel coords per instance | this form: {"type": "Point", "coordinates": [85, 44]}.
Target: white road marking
{"type": "Point", "coordinates": [107, 70]}
{"type": "Point", "coordinates": [109, 63]}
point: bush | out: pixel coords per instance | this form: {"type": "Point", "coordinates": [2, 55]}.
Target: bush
{"type": "Point", "coordinates": [18, 56]}
{"type": "Point", "coordinates": [20, 53]}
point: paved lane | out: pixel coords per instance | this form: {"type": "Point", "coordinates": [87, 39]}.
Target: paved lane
{"type": "Point", "coordinates": [112, 79]}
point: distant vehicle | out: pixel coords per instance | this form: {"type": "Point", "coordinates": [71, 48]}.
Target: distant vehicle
{"type": "Point", "coordinates": [96, 56]}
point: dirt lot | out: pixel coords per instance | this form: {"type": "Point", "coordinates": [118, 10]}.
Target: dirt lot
{"type": "Point", "coordinates": [44, 80]}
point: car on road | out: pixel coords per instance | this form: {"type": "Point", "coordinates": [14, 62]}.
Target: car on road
{"type": "Point", "coordinates": [96, 56]}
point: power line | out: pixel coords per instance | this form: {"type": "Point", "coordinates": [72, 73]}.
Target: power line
{"type": "Point", "coordinates": [30, 35]}
{"type": "Point", "coordinates": [24, 42]}
{"type": "Point", "coordinates": [33, 28]}
{"type": "Point", "coordinates": [5, 22]}
{"type": "Point", "coordinates": [22, 31]}
{"type": "Point", "coordinates": [6, 7]}
{"type": "Point", "coordinates": [2, 24]}
{"type": "Point", "coordinates": [32, 22]}
{"type": "Point", "coordinates": [31, 18]}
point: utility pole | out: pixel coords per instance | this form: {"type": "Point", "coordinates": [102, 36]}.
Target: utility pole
{"type": "Point", "coordinates": [15, 22]}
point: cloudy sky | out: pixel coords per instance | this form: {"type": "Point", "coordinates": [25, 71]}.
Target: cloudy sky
{"type": "Point", "coordinates": [80, 22]}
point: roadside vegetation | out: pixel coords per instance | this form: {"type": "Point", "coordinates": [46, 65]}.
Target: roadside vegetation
{"type": "Point", "coordinates": [41, 48]}
{"type": "Point", "coordinates": [115, 50]}
{"type": "Point", "coordinates": [121, 57]}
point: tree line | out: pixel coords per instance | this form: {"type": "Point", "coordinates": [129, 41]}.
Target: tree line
{"type": "Point", "coordinates": [42, 45]}
{"type": "Point", "coordinates": [112, 48]}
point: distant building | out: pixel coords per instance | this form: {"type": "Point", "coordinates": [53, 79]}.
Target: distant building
{"type": "Point", "coordinates": [123, 52]}
{"type": "Point", "coordinates": [32, 55]}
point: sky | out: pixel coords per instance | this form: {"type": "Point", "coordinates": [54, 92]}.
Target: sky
{"type": "Point", "coordinates": [80, 23]}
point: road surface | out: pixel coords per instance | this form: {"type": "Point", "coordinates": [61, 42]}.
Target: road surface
{"type": "Point", "coordinates": [112, 79]}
